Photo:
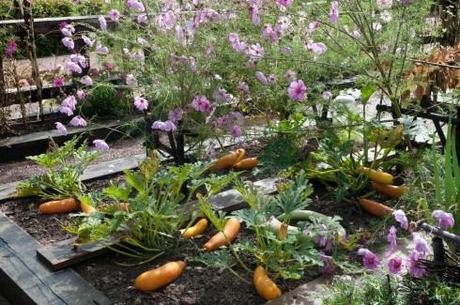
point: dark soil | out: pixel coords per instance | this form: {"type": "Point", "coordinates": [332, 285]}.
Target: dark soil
{"type": "Point", "coordinates": [198, 285]}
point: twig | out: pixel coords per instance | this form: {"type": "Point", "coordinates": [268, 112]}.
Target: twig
{"type": "Point", "coordinates": [434, 64]}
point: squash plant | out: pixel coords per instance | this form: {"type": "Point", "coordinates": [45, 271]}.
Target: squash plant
{"type": "Point", "coordinates": [148, 209]}
{"type": "Point", "coordinates": [64, 166]}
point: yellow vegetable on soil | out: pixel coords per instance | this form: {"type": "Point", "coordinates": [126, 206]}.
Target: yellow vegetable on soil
{"type": "Point", "coordinates": [377, 176]}
{"type": "Point", "coordinates": [156, 278]}
{"type": "Point", "coordinates": [231, 229]}
{"type": "Point", "coordinates": [86, 208]}
{"type": "Point", "coordinates": [375, 208]}
{"type": "Point", "coordinates": [392, 191]}
{"type": "Point", "coordinates": [196, 229]}
{"type": "Point", "coordinates": [265, 287]}
{"type": "Point", "coordinates": [228, 160]}
{"type": "Point", "coordinates": [59, 206]}
{"type": "Point", "coordinates": [246, 164]}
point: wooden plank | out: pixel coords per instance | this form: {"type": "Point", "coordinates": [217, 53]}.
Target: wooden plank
{"type": "Point", "coordinates": [63, 254]}
{"type": "Point", "coordinates": [30, 282]}
{"type": "Point", "coordinates": [66, 253]}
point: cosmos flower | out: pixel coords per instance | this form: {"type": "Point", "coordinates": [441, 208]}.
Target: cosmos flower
{"type": "Point", "coordinates": [201, 104]}
{"type": "Point", "coordinates": [60, 127]}
{"type": "Point", "coordinates": [400, 217]}
{"type": "Point", "coordinates": [445, 220]}
{"type": "Point", "coordinates": [370, 260]}
{"type": "Point", "coordinates": [297, 90]}
{"type": "Point", "coordinates": [141, 103]}
{"type": "Point", "coordinates": [101, 145]}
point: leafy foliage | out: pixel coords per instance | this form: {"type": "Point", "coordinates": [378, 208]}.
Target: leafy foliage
{"type": "Point", "coordinates": [64, 166]}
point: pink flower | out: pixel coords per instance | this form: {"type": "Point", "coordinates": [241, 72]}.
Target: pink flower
{"type": "Point", "coordinates": [142, 19]}
{"type": "Point", "coordinates": [78, 121]}
{"type": "Point", "coordinates": [87, 41]}
{"type": "Point", "coordinates": [81, 94]}
{"type": "Point", "coordinates": [270, 34]}
{"type": "Point", "coordinates": [68, 43]}
{"type": "Point", "coordinates": [297, 90]}
{"type": "Point", "coordinates": [370, 260]}
{"type": "Point", "coordinates": [166, 126]}
{"type": "Point", "coordinates": [102, 23]}
{"type": "Point", "coordinates": [328, 263]}
{"type": "Point", "coordinates": [201, 103]}
{"type": "Point", "coordinates": [101, 145]}
{"type": "Point", "coordinates": [136, 5]}
{"type": "Point", "coordinates": [313, 26]}
{"type": "Point", "coordinates": [400, 217]}
{"type": "Point", "coordinates": [140, 103]}
{"type": "Point", "coordinates": [58, 82]}
{"type": "Point", "coordinates": [327, 95]}
{"type": "Point", "coordinates": [69, 102]}
{"type": "Point", "coordinates": [101, 50]}
{"type": "Point", "coordinates": [384, 3]}
{"type": "Point", "coordinates": [66, 110]}
{"type": "Point", "coordinates": [86, 80]}
{"type": "Point", "coordinates": [114, 15]}
{"type": "Point", "coordinates": [415, 269]}
{"type": "Point", "coordinates": [235, 131]}
{"type": "Point", "coordinates": [395, 265]}
{"type": "Point", "coordinates": [254, 15]}
{"type": "Point", "coordinates": [71, 67]}
{"type": "Point", "coordinates": [421, 245]}
{"type": "Point", "coordinates": [334, 12]}
{"type": "Point", "coordinates": [256, 51]}
{"type": "Point", "coordinates": [261, 78]}
{"type": "Point", "coordinates": [316, 47]}
{"type": "Point", "coordinates": [79, 59]}
{"type": "Point", "coordinates": [67, 30]}
{"type": "Point", "coordinates": [176, 115]}
{"type": "Point", "coordinates": [391, 238]}
{"type": "Point", "coordinates": [445, 220]}
{"type": "Point", "coordinates": [285, 3]}
{"type": "Point", "coordinates": [60, 127]}
{"type": "Point", "coordinates": [11, 47]}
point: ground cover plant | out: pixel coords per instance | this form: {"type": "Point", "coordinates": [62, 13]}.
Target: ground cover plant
{"type": "Point", "coordinates": [355, 187]}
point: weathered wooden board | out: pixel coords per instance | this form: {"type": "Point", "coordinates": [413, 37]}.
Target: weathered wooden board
{"type": "Point", "coordinates": [24, 280]}
{"type": "Point", "coordinates": [63, 254]}
{"type": "Point", "coordinates": [66, 253]}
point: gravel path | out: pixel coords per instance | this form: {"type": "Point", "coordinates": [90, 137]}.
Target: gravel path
{"type": "Point", "coordinates": [20, 170]}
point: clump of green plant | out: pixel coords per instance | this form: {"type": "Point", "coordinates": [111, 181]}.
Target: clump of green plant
{"type": "Point", "coordinates": [105, 100]}
{"type": "Point", "coordinates": [147, 210]}
{"type": "Point", "coordinates": [64, 166]}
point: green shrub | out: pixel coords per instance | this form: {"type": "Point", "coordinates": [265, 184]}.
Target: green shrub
{"type": "Point", "coordinates": [104, 99]}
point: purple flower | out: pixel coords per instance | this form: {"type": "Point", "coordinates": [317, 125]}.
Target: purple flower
{"type": "Point", "coordinates": [254, 15]}
{"type": "Point", "coordinates": [313, 26]}
{"type": "Point", "coordinates": [180, 36]}
{"type": "Point", "coordinates": [66, 110]}
{"type": "Point", "coordinates": [81, 94]}
{"type": "Point", "coordinates": [322, 240]}
{"type": "Point", "coordinates": [445, 220]}
{"type": "Point", "coordinates": [166, 126]}
{"type": "Point", "coordinates": [272, 79]}
{"type": "Point", "coordinates": [334, 12]}
{"type": "Point", "coordinates": [135, 5]}
{"type": "Point", "coordinates": [60, 127]}
{"type": "Point", "coordinates": [261, 78]}
{"type": "Point", "coordinates": [421, 245]}
{"type": "Point", "coordinates": [405, 2]}
{"type": "Point", "coordinates": [114, 15]}
{"type": "Point", "coordinates": [290, 75]}
{"type": "Point", "coordinates": [176, 115]}
{"type": "Point", "coordinates": [86, 80]}
{"type": "Point", "coordinates": [79, 59]}
{"type": "Point", "coordinates": [142, 19]}
{"type": "Point", "coordinates": [58, 82]}
{"type": "Point", "coordinates": [101, 145]}
{"type": "Point", "coordinates": [415, 269]}
{"type": "Point", "coordinates": [297, 90]}
{"type": "Point", "coordinates": [328, 263]}
{"type": "Point", "coordinates": [285, 3]}
{"type": "Point", "coordinates": [327, 95]}
{"type": "Point", "coordinates": [400, 217]}
{"type": "Point", "coordinates": [68, 43]}
{"type": "Point", "coordinates": [69, 102]}
{"type": "Point", "coordinates": [286, 51]}
{"type": "Point", "coordinates": [11, 47]}
{"type": "Point", "coordinates": [201, 103]}
{"type": "Point", "coordinates": [243, 86]}
{"type": "Point", "coordinates": [256, 51]}
{"type": "Point", "coordinates": [87, 41]}
{"type": "Point", "coordinates": [316, 47]}
{"type": "Point", "coordinates": [67, 30]}
{"type": "Point", "coordinates": [102, 23]}
{"type": "Point", "coordinates": [235, 131]}
{"type": "Point", "coordinates": [370, 260]}
{"type": "Point", "coordinates": [384, 3]}
{"type": "Point", "coordinates": [71, 67]}
{"type": "Point", "coordinates": [78, 121]}
{"type": "Point", "coordinates": [166, 20]}
{"type": "Point", "coordinates": [395, 265]}
{"type": "Point", "coordinates": [391, 238]}
{"type": "Point", "coordinates": [141, 103]}
{"type": "Point", "coordinates": [101, 50]}
{"type": "Point", "coordinates": [270, 34]}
